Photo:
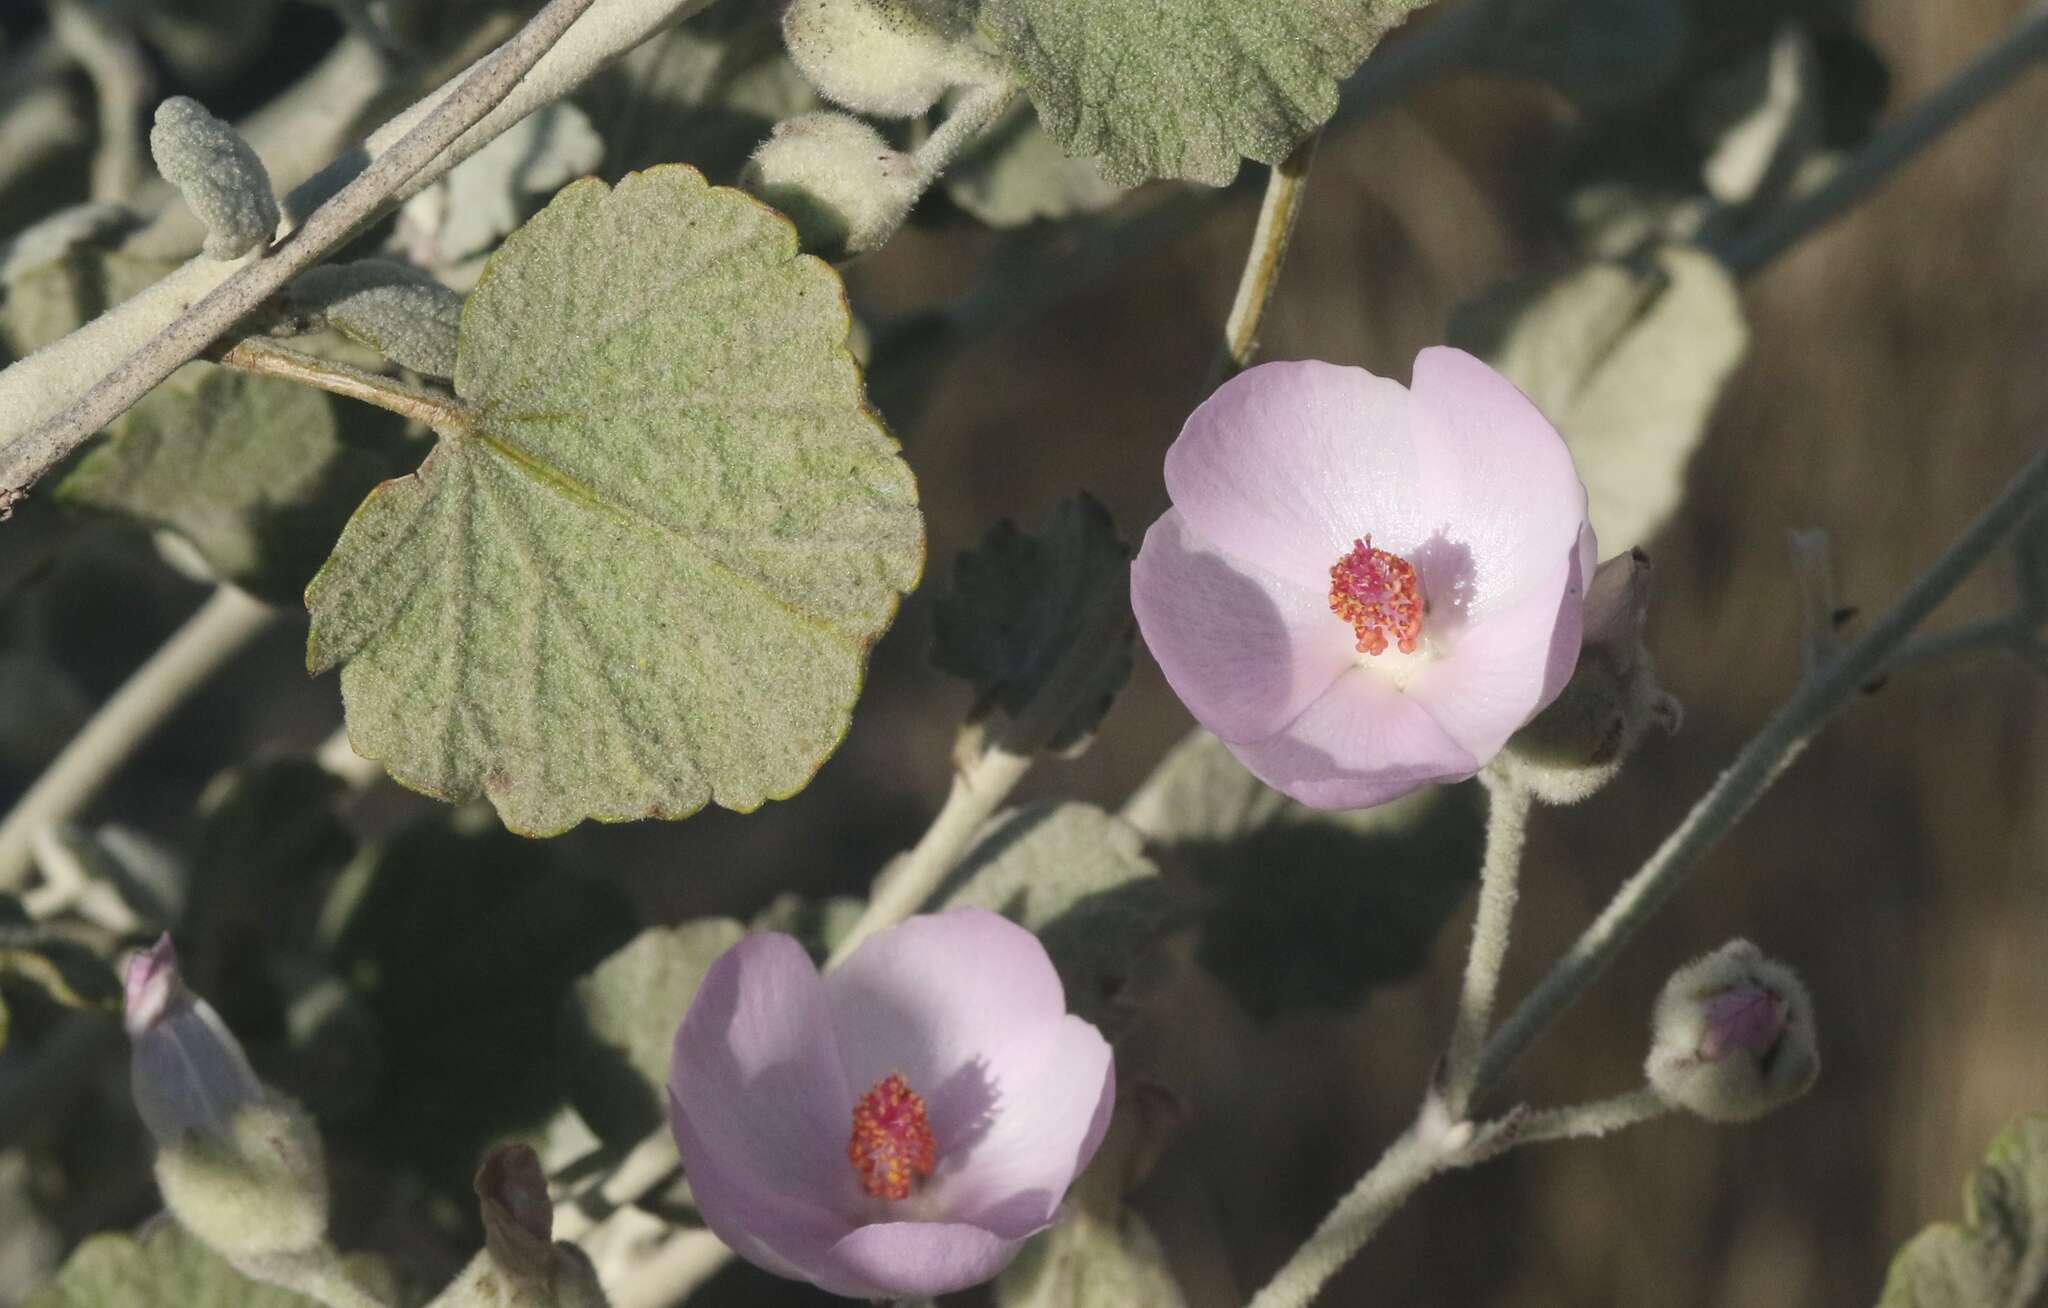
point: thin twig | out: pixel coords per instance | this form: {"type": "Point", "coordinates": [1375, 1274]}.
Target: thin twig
{"type": "Point", "coordinates": [2008, 631]}
{"type": "Point", "coordinates": [332, 224]}
{"type": "Point", "coordinates": [444, 413]}
{"type": "Point", "coordinates": [968, 119]}
{"type": "Point", "coordinates": [1285, 187]}
{"type": "Point", "coordinates": [1587, 1121]}
{"type": "Point", "coordinates": [1758, 765]}
{"type": "Point", "coordinates": [1507, 831]}
{"type": "Point", "coordinates": [1410, 1161]}
{"type": "Point", "coordinates": [1748, 251]}
{"type": "Point", "coordinates": [221, 628]}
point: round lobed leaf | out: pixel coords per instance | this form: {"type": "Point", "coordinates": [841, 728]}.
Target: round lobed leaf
{"type": "Point", "coordinates": [648, 572]}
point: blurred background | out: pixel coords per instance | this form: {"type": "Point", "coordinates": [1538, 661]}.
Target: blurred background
{"type": "Point", "coordinates": [1894, 381]}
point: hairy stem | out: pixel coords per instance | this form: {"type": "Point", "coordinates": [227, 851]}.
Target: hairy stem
{"type": "Point", "coordinates": [2008, 631]}
{"type": "Point", "coordinates": [1748, 251]}
{"type": "Point", "coordinates": [1758, 765]}
{"type": "Point", "coordinates": [1428, 1146]}
{"type": "Point", "coordinates": [444, 413]}
{"type": "Point", "coordinates": [1410, 1161]}
{"type": "Point", "coordinates": [1507, 831]}
{"type": "Point", "coordinates": [1285, 187]}
{"type": "Point", "coordinates": [1588, 1121]}
{"type": "Point", "coordinates": [974, 114]}
{"type": "Point", "coordinates": [221, 628]}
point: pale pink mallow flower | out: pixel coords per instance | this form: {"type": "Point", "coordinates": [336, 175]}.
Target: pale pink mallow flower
{"type": "Point", "coordinates": [1363, 588]}
{"type": "Point", "coordinates": [187, 1070]}
{"type": "Point", "coordinates": [897, 1126]}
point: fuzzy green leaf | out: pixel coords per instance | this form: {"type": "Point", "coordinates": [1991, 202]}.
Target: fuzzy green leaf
{"type": "Point", "coordinates": [1309, 908]}
{"type": "Point", "coordinates": [169, 1269]}
{"type": "Point", "coordinates": [1018, 174]}
{"type": "Point", "coordinates": [648, 573]}
{"type": "Point", "coordinates": [1628, 359]}
{"type": "Point", "coordinates": [1079, 879]}
{"type": "Point", "coordinates": [1021, 600]}
{"type": "Point", "coordinates": [1998, 1256]}
{"type": "Point", "coordinates": [1183, 88]}
{"type": "Point", "coordinates": [256, 472]}
{"type": "Point", "coordinates": [620, 1020]}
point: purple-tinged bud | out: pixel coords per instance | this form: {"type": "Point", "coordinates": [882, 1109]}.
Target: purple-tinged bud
{"type": "Point", "coordinates": [1733, 1036]}
{"type": "Point", "coordinates": [187, 1071]}
{"type": "Point", "coordinates": [1578, 744]}
{"type": "Point", "coordinates": [240, 1166]}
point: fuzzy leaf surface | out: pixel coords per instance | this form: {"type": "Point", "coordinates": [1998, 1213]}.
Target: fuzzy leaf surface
{"type": "Point", "coordinates": [648, 573]}
{"type": "Point", "coordinates": [169, 1269]}
{"type": "Point", "coordinates": [1998, 1256]}
{"type": "Point", "coordinates": [256, 472]}
{"type": "Point", "coordinates": [1184, 88]}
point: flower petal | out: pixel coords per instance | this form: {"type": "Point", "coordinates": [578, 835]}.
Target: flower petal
{"type": "Point", "coordinates": [780, 1231]}
{"type": "Point", "coordinates": [914, 1260]}
{"type": "Point", "coordinates": [1288, 463]}
{"type": "Point", "coordinates": [1496, 471]}
{"type": "Point", "coordinates": [1508, 664]}
{"type": "Point", "coordinates": [1245, 650]}
{"type": "Point", "coordinates": [965, 1004]}
{"type": "Point", "coordinates": [1363, 743]}
{"type": "Point", "coordinates": [1014, 1177]}
{"type": "Point", "coordinates": [756, 1072]}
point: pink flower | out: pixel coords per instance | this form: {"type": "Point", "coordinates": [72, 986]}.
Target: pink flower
{"type": "Point", "coordinates": [1363, 588]}
{"type": "Point", "coordinates": [186, 1069]}
{"type": "Point", "coordinates": [897, 1127]}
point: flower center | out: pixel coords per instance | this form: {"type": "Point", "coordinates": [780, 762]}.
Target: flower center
{"type": "Point", "coordinates": [1380, 596]}
{"type": "Point", "coordinates": [892, 1144]}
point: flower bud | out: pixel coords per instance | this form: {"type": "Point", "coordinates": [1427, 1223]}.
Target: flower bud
{"type": "Point", "coordinates": [219, 175]}
{"type": "Point", "coordinates": [520, 1267]}
{"type": "Point", "coordinates": [837, 179]}
{"type": "Point", "coordinates": [1732, 1036]}
{"type": "Point", "coordinates": [890, 58]}
{"type": "Point", "coordinates": [240, 1166]}
{"type": "Point", "coordinates": [1578, 744]}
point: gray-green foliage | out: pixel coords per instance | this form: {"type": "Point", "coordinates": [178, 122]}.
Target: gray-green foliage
{"type": "Point", "coordinates": [220, 177]}
{"type": "Point", "coordinates": [619, 1021]}
{"type": "Point", "coordinates": [1089, 1262]}
{"type": "Point", "coordinates": [256, 472]}
{"type": "Point", "coordinates": [1018, 174]}
{"type": "Point", "coordinates": [1184, 88]}
{"type": "Point", "coordinates": [1628, 359]}
{"type": "Point", "coordinates": [393, 308]}
{"type": "Point", "coordinates": [1308, 908]}
{"type": "Point", "coordinates": [1998, 1256]}
{"type": "Point", "coordinates": [166, 1268]}
{"type": "Point", "coordinates": [1021, 600]}
{"type": "Point", "coordinates": [648, 572]}
{"type": "Point", "coordinates": [1078, 878]}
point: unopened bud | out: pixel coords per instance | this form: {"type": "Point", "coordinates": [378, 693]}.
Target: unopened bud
{"type": "Point", "coordinates": [220, 176]}
{"type": "Point", "coordinates": [240, 1166]}
{"type": "Point", "coordinates": [1732, 1036]}
{"type": "Point", "coordinates": [837, 179]}
{"type": "Point", "coordinates": [520, 1266]}
{"type": "Point", "coordinates": [1577, 745]}
{"type": "Point", "coordinates": [890, 58]}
